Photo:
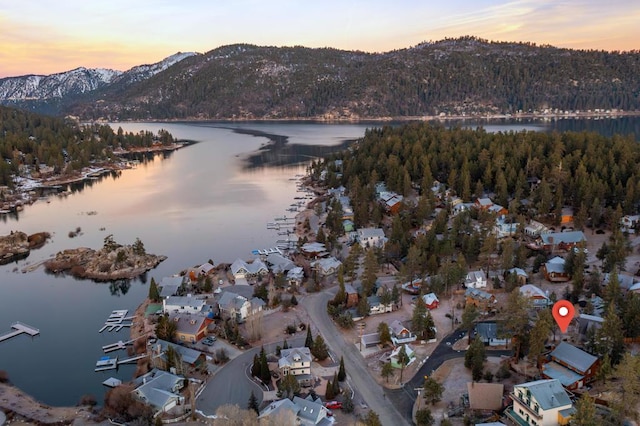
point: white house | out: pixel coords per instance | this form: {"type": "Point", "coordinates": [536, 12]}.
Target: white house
{"type": "Point", "coordinates": [371, 237]}
{"type": "Point", "coordinates": [476, 279]}
{"type": "Point", "coordinates": [377, 307]}
{"type": "Point", "coordinates": [182, 304]}
{"type": "Point", "coordinates": [540, 403]}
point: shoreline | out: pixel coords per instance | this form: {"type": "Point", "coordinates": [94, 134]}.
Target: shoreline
{"type": "Point", "coordinates": [387, 119]}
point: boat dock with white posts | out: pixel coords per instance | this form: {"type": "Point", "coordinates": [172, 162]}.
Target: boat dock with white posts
{"type": "Point", "coordinates": [106, 363]}
{"type": "Point", "coordinates": [19, 328]}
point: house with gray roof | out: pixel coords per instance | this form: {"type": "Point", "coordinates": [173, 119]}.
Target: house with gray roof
{"type": "Point", "coordinates": [160, 390]}
{"type": "Point", "coordinates": [241, 269]}
{"type": "Point", "coordinates": [279, 264]}
{"type": "Point", "coordinates": [304, 412]}
{"type": "Point", "coordinates": [562, 240]}
{"type": "Point", "coordinates": [296, 362]}
{"type": "Point", "coordinates": [538, 298]}
{"type": "Point", "coordinates": [488, 334]}
{"type": "Point", "coordinates": [476, 279]}
{"type": "Point", "coordinates": [540, 403]}
{"type": "Point", "coordinates": [238, 308]}
{"type": "Point", "coordinates": [554, 270]}
{"type": "Point", "coordinates": [326, 266]}
{"type": "Point", "coordinates": [371, 237]}
{"type": "Point", "coordinates": [190, 357]}
{"type": "Point", "coordinates": [169, 285]}
{"type": "Point", "coordinates": [571, 366]}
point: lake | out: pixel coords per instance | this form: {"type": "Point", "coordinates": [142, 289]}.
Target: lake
{"type": "Point", "coordinates": [211, 200]}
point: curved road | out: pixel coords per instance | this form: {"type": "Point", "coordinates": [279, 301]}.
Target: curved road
{"type": "Point", "coordinates": [365, 386]}
{"type": "Point", "coordinates": [231, 384]}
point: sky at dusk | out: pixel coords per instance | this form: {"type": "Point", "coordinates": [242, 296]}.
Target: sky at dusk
{"type": "Point", "coordinates": [49, 36]}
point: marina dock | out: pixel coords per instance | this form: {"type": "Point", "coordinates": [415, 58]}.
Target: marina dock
{"type": "Point", "coordinates": [115, 322]}
{"type": "Point", "coordinates": [19, 328]}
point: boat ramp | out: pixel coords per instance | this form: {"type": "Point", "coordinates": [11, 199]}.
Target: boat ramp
{"type": "Point", "coordinates": [19, 328]}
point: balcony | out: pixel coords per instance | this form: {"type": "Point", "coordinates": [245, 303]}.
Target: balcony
{"type": "Point", "coordinates": [525, 403]}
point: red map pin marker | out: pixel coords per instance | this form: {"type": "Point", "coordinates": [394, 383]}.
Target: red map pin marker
{"type": "Point", "coordinates": [563, 312]}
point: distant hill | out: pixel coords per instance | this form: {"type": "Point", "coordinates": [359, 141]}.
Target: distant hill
{"type": "Point", "coordinates": [454, 76]}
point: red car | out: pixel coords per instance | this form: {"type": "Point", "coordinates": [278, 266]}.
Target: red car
{"type": "Point", "coordinates": [333, 405]}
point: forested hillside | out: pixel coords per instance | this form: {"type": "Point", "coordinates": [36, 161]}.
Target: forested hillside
{"type": "Point", "coordinates": [29, 141]}
{"type": "Point", "coordinates": [456, 76]}
{"type": "Point", "coordinates": [589, 172]}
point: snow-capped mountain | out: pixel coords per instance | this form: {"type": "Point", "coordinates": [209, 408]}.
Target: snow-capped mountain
{"type": "Point", "coordinates": [78, 81]}
{"type": "Point", "coordinates": [142, 72]}
{"type": "Point", "coordinates": [32, 87]}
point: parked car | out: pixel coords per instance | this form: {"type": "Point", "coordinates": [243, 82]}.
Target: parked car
{"type": "Point", "coordinates": [209, 340]}
{"type": "Point", "coordinates": [333, 405]}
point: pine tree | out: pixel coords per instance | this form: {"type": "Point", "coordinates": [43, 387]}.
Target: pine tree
{"type": "Point", "coordinates": [265, 374]}
{"type": "Point", "coordinates": [585, 414]}
{"type": "Point", "coordinates": [308, 342]}
{"type": "Point", "coordinates": [336, 384]}
{"type": "Point", "coordinates": [403, 359]}
{"type": "Point", "coordinates": [319, 349]}
{"type": "Point", "coordinates": [329, 394]}
{"type": "Point", "coordinates": [154, 294]}
{"type": "Point", "coordinates": [385, 333]}
{"type": "Point", "coordinates": [253, 403]}
{"type": "Point", "coordinates": [255, 368]}
{"type": "Point", "coordinates": [387, 371]}
{"type": "Point", "coordinates": [342, 373]}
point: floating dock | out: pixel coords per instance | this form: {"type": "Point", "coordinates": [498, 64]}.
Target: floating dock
{"type": "Point", "coordinates": [19, 328]}
{"type": "Point", "coordinates": [106, 363]}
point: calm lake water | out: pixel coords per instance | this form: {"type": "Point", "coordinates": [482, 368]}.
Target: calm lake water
{"type": "Point", "coordinates": [201, 202]}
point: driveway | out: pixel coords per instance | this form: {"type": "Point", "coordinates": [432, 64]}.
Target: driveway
{"type": "Point", "coordinates": [366, 389]}
{"type": "Point", "coordinates": [404, 397]}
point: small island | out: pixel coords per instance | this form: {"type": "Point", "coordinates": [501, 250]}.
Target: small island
{"type": "Point", "coordinates": [17, 245]}
{"type": "Point", "coordinates": [112, 262]}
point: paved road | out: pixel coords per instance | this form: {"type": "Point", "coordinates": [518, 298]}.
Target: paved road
{"type": "Point", "coordinates": [366, 388]}
{"type": "Point", "coordinates": [232, 384]}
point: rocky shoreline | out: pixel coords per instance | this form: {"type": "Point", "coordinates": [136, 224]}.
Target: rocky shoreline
{"type": "Point", "coordinates": [17, 245]}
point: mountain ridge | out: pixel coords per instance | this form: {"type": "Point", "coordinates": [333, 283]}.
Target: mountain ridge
{"type": "Point", "coordinates": [450, 77]}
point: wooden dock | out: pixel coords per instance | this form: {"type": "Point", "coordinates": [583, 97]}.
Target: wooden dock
{"type": "Point", "coordinates": [19, 328]}
{"type": "Point", "coordinates": [132, 359]}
